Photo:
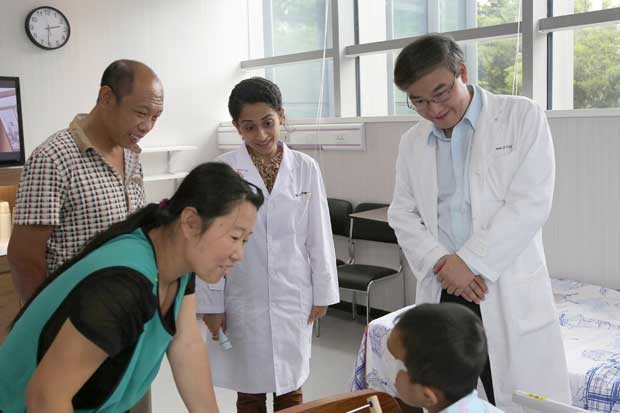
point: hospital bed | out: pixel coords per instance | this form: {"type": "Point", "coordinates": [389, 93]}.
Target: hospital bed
{"type": "Point", "coordinates": [589, 317]}
{"type": "Point", "coordinates": [590, 321]}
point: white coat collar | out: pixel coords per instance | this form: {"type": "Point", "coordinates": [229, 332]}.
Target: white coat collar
{"type": "Point", "coordinates": [492, 108]}
{"type": "Point", "coordinates": [250, 172]}
{"type": "Point", "coordinates": [482, 143]}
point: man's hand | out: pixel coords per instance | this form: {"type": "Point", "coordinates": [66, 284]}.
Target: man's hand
{"type": "Point", "coordinates": [214, 322]}
{"type": "Point", "coordinates": [453, 274]}
{"type": "Point", "coordinates": [476, 290]}
{"type": "Point", "coordinates": [318, 311]}
{"type": "Point", "coordinates": [439, 264]}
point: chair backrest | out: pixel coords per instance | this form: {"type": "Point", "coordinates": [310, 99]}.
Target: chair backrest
{"type": "Point", "coordinates": [339, 211]}
{"type": "Point", "coordinates": [372, 230]}
{"type": "Point", "coordinates": [347, 402]}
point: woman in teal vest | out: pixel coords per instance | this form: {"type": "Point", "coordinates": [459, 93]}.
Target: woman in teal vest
{"type": "Point", "coordinates": [93, 337]}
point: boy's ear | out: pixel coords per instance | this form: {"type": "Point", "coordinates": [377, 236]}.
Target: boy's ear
{"type": "Point", "coordinates": [430, 395]}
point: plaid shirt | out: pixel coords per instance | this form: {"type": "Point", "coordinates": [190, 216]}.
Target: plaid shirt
{"type": "Point", "coordinates": [67, 184]}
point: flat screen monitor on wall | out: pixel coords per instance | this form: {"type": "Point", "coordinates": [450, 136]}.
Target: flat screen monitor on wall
{"type": "Point", "coordinates": [11, 129]}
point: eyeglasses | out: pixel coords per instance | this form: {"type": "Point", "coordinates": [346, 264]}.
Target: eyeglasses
{"type": "Point", "coordinates": [421, 104]}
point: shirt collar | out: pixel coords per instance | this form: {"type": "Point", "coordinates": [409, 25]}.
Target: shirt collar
{"type": "Point", "coordinates": [471, 115]}
{"type": "Point", "coordinates": [75, 127]}
{"type": "Point", "coordinates": [82, 140]}
{"type": "Point", "coordinates": [461, 405]}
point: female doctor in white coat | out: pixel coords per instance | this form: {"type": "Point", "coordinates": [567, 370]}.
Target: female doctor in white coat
{"type": "Point", "coordinates": [288, 277]}
{"type": "Point", "coordinates": [474, 187]}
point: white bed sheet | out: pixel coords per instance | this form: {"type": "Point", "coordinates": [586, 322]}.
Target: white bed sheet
{"type": "Point", "coordinates": [590, 321]}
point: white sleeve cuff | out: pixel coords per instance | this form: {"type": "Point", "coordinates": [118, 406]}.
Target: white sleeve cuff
{"type": "Point", "coordinates": [476, 264]}
{"type": "Point", "coordinates": [431, 259]}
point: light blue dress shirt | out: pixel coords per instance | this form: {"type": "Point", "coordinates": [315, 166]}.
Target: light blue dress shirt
{"type": "Point", "coordinates": [454, 200]}
{"type": "Point", "coordinates": [471, 404]}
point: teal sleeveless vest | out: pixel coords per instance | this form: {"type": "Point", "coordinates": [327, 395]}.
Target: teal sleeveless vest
{"type": "Point", "coordinates": [18, 354]}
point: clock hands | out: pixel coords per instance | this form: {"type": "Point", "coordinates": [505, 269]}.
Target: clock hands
{"type": "Point", "coordinates": [47, 28]}
{"type": "Point", "coordinates": [49, 31]}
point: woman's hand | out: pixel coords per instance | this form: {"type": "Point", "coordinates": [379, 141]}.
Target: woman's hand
{"type": "Point", "coordinates": [214, 322]}
{"type": "Point", "coordinates": [318, 311]}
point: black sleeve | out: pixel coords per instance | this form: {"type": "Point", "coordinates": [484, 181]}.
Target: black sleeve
{"type": "Point", "coordinates": [190, 288]}
{"type": "Point", "coordinates": [111, 306]}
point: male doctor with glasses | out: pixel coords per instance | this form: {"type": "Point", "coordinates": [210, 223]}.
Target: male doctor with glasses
{"type": "Point", "coordinates": [474, 187]}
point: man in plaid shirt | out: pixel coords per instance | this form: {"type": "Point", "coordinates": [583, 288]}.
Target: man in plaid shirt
{"type": "Point", "coordinates": [84, 178]}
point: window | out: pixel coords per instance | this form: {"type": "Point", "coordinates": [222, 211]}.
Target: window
{"type": "Point", "coordinates": [570, 58]}
{"type": "Point", "coordinates": [564, 7]}
{"type": "Point", "coordinates": [396, 19]}
{"type": "Point", "coordinates": [586, 61]}
{"type": "Point", "coordinates": [410, 18]}
{"type": "Point", "coordinates": [300, 86]}
{"type": "Point", "coordinates": [490, 64]}
{"type": "Point", "coordinates": [587, 68]}
{"type": "Point", "coordinates": [282, 27]}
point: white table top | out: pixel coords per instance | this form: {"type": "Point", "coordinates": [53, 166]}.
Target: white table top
{"type": "Point", "coordinates": [378, 214]}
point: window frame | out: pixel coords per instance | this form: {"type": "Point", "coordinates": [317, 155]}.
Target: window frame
{"type": "Point", "coordinates": [535, 29]}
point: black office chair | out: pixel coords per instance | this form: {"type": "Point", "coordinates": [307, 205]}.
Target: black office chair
{"type": "Point", "coordinates": [339, 211]}
{"type": "Point", "coordinates": [361, 277]}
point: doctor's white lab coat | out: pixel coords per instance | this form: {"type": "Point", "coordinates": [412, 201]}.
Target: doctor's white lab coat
{"type": "Point", "coordinates": [289, 265]}
{"type": "Point", "coordinates": [512, 173]}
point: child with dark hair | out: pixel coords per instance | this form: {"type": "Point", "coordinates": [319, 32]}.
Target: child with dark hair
{"type": "Point", "coordinates": [434, 357]}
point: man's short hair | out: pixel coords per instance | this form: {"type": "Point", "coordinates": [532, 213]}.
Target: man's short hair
{"type": "Point", "coordinates": [119, 77]}
{"type": "Point", "coordinates": [445, 347]}
{"type": "Point", "coordinates": [424, 55]}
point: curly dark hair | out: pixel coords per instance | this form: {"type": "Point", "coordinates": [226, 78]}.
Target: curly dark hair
{"type": "Point", "coordinates": [254, 90]}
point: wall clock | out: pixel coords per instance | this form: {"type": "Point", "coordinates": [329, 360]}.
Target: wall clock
{"type": "Point", "coordinates": [48, 28]}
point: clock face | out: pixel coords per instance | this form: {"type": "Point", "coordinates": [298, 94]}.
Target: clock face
{"type": "Point", "coordinates": [47, 28]}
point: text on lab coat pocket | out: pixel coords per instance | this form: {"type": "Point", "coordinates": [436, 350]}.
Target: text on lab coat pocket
{"type": "Point", "coordinates": [500, 172]}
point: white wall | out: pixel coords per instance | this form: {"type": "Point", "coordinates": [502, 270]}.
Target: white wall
{"type": "Point", "coordinates": [185, 42]}
{"type": "Point", "coordinates": [582, 237]}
